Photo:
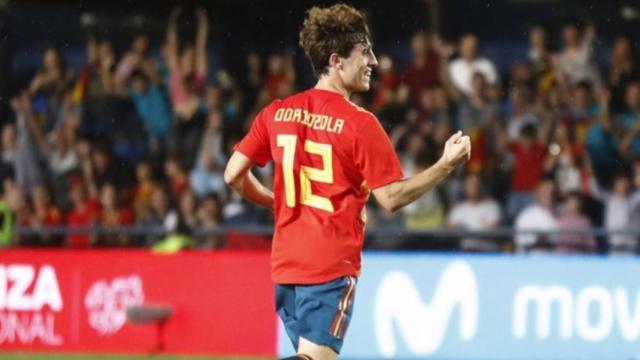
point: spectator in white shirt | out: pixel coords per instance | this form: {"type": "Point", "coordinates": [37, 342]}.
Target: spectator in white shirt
{"type": "Point", "coordinates": [539, 216]}
{"type": "Point", "coordinates": [462, 69]}
{"type": "Point", "coordinates": [620, 207]}
{"type": "Point", "coordinates": [576, 61]}
{"type": "Point", "coordinates": [476, 213]}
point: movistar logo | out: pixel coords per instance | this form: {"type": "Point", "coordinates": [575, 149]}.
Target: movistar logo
{"type": "Point", "coordinates": [423, 325]}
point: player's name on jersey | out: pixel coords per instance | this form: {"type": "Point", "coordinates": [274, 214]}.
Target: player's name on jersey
{"type": "Point", "coordinates": [314, 121]}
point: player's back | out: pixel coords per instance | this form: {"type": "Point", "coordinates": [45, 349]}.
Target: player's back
{"type": "Point", "coordinates": [324, 148]}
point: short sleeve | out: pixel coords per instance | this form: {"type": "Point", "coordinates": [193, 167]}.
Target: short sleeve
{"type": "Point", "coordinates": [374, 155]}
{"type": "Point", "coordinates": [255, 145]}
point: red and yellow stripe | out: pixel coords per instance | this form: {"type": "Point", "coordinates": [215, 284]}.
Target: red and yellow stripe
{"type": "Point", "coordinates": [338, 324]}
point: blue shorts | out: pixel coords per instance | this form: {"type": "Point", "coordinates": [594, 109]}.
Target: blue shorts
{"type": "Point", "coordinates": [319, 313]}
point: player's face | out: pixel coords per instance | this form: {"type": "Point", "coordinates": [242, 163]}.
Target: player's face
{"type": "Point", "coordinates": [357, 68]}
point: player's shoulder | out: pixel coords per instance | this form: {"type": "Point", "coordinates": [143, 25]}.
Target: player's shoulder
{"type": "Point", "coordinates": [359, 111]}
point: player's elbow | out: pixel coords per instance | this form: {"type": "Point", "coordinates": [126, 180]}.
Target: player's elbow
{"type": "Point", "coordinates": [392, 207]}
{"type": "Point", "coordinates": [231, 177]}
{"type": "Point", "coordinates": [389, 204]}
{"type": "Point", "coordinates": [389, 197]}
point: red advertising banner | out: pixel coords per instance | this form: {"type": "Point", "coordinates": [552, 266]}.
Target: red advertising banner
{"type": "Point", "coordinates": [59, 300]}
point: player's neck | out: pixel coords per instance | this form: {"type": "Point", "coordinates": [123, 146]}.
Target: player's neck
{"type": "Point", "coordinates": [328, 84]}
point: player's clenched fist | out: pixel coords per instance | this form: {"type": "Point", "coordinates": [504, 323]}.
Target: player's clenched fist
{"type": "Point", "coordinates": [457, 149]}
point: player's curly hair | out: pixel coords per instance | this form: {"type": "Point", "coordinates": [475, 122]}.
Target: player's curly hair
{"type": "Point", "coordinates": [336, 29]}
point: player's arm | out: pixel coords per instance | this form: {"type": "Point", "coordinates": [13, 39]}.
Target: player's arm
{"type": "Point", "coordinates": [402, 192]}
{"type": "Point", "coordinates": [239, 177]}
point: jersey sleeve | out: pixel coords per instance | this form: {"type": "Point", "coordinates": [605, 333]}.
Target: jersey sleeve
{"type": "Point", "coordinates": [375, 156]}
{"type": "Point", "coordinates": [255, 145]}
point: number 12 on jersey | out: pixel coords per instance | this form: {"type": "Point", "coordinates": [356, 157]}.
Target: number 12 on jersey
{"type": "Point", "coordinates": [307, 174]}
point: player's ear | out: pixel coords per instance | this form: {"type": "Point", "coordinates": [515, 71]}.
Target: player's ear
{"type": "Point", "coordinates": [335, 61]}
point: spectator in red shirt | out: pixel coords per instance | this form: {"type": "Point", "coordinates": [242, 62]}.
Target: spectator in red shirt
{"type": "Point", "coordinates": [280, 76]}
{"type": "Point", "coordinates": [45, 214]}
{"type": "Point", "coordinates": [113, 215]}
{"type": "Point", "coordinates": [178, 178]}
{"type": "Point", "coordinates": [424, 70]}
{"type": "Point", "coordinates": [84, 213]}
{"type": "Point", "coordinates": [529, 155]}
{"type": "Point", "coordinates": [387, 81]}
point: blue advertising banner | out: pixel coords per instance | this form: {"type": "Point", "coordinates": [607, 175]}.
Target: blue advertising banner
{"type": "Point", "coordinates": [493, 307]}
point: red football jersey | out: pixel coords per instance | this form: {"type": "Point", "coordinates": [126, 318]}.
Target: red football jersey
{"type": "Point", "coordinates": [328, 153]}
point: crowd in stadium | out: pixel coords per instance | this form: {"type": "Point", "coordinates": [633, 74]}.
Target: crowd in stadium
{"type": "Point", "coordinates": [134, 139]}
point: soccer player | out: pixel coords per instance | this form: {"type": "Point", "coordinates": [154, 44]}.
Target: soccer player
{"type": "Point", "coordinates": [329, 155]}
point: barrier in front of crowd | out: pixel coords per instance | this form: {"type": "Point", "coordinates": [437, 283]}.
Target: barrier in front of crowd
{"type": "Point", "coordinates": [407, 305]}
{"type": "Point", "coordinates": [75, 301]}
{"type": "Point", "coordinates": [494, 307]}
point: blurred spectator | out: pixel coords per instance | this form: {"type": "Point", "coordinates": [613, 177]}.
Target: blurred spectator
{"type": "Point", "coordinates": [151, 104]}
{"type": "Point", "coordinates": [161, 215]}
{"type": "Point", "coordinates": [11, 203]}
{"type": "Point", "coordinates": [45, 214]}
{"type": "Point", "coordinates": [209, 218]}
{"type": "Point", "coordinates": [539, 216]}
{"type": "Point", "coordinates": [620, 205]}
{"type": "Point", "coordinates": [628, 122]}
{"type": "Point", "coordinates": [48, 86]}
{"type": "Point", "coordinates": [251, 80]}
{"type": "Point", "coordinates": [137, 59]}
{"type": "Point", "coordinates": [187, 213]}
{"type": "Point", "coordinates": [581, 114]}
{"type": "Point", "coordinates": [522, 113]}
{"type": "Point", "coordinates": [476, 213]}
{"type": "Point", "coordinates": [468, 64]}
{"type": "Point", "coordinates": [62, 155]}
{"type": "Point", "coordinates": [440, 109]}
{"type": "Point", "coordinates": [188, 69]}
{"type": "Point", "coordinates": [477, 110]}
{"type": "Point", "coordinates": [97, 79]}
{"type": "Point", "coordinates": [571, 218]}
{"type": "Point", "coordinates": [29, 162]}
{"type": "Point", "coordinates": [8, 151]}
{"type": "Point", "coordinates": [602, 145]}
{"type": "Point", "coordinates": [387, 80]}
{"type": "Point", "coordinates": [424, 69]}
{"type": "Point", "coordinates": [143, 189]}
{"type": "Point", "coordinates": [529, 155]}
{"type": "Point", "coordinates": [53, 77]}
{"type": "Point", "coordinates": [207, 176]}
{"type": "Point", "coordinates": [113, 215]}
{"type": "Point", "coordinates": [106, 168]}
{"type": "Point", "coordinates": [478, 114]}
{"type": "Point", "coordinates": [178, 179]}
{"type": "Point", "coordinates": [623, 69]}
{"type": "Point", "coordinates": [280, 76]}
{"type": "Point", "coordinates": [539, 53]}
{"type": "Point", "coordinates": [568, 173]}
{"type": "Point", "coordinates": [84, 214]}
{"type": "Point", "coordinates": [576, 59]}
